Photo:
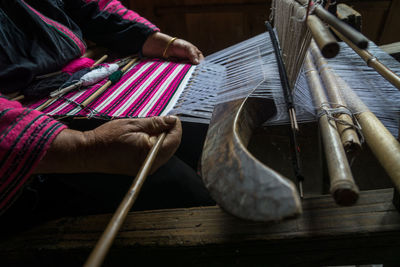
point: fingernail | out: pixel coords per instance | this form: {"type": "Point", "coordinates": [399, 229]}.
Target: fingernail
{"type": "Point", "coordinates": [152, 140]}
{"type": "Point", "coordinates": [170, 119]}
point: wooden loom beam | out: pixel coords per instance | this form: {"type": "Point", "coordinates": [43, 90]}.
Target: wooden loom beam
{"type": "Point", "coordinates": [326, 234]}
{"type": "Point", "coordinates": [343, 188]}
{"type": "Point", "coordinates": [348, 135]}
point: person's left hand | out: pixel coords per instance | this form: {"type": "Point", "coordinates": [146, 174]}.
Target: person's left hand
{"type": "Point", "coordinates": [179, 49]}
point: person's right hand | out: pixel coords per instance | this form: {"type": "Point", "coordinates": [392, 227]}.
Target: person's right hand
{"type": "Point", "coordinates": [125, 143]}
{"type": "Point", "coordinates": [116, 147]}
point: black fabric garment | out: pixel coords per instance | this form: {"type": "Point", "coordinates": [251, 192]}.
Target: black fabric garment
{"type": "Point", "coordinates": [30, 46]}
{"type": "Point", "coordinates": [108, 29]}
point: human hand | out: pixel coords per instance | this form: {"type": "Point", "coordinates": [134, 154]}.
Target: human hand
{"type": "Point", "coordinates": [116, 147]}
{"type": "Point", "coordinates": [157, 46]}
{"type": "Point", "coordinates": [124, 144]}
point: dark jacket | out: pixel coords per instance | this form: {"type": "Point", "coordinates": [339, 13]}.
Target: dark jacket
{"type": "Point", "coordinates": [41, 36]}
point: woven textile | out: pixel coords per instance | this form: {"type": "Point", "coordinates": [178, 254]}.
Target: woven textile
{"type": "Point", "coordinates": [149, 88]}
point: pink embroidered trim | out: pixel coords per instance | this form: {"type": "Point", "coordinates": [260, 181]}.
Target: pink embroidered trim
{"type": "Point", "coordinates": [61, 28]}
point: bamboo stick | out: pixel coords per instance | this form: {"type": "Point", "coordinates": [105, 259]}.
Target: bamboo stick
{"type": "Point", "coordinates": [381, 142]}
{"type": "Point", "coordinates": [51, 99]}
{"type": "Point", "coordinates": [100, 251]}
{"type": "Point", "coordinates": [108, 83]}
{"type": "Point", "coordinates": [342, 185]}
{"type": "Point", "coordinates": [18, 98]}
{"type": "Point", "coordinates": [373, 62]}
{"type": "Point", "coordinates": [348, 135]}
{"type": "Point", "coordinates": [323, 37]}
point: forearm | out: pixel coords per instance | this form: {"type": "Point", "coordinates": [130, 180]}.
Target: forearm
{"type": "Point", "coordinates": [67, 154]}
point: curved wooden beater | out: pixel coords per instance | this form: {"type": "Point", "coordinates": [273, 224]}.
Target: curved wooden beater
{"type": "Point", "coordinates": [237, 181]}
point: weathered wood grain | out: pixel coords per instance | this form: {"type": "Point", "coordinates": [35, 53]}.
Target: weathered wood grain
{"type": "Point", "coordinates": [236, 180]}
{"type": "Point", "coordinates": [368, 232]}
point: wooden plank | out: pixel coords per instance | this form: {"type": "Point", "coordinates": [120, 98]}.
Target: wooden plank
{"type": "Point", "coordinates": [396, 200]}
{"type": "Point", "coordinates": [368, 232]}
{"type": "Point", "coordinates": [393, 48]}
{"type": "Point", "coordinates": [349, 15]}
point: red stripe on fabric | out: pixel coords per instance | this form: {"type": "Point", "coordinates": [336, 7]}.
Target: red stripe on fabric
{"type": "Point", "coordinates": [132, 88]}
{"type": "Point", "coordinates": [23, 180]}
{"type": "Point", "coordinates": [80, 99]}
{"type": "Point", "coordinates": [137, 101]}
{"type": "Point", "coordinates": [62, 28]}
{"type": "Point", "coordinates": [159, 106]}
{"type": "Point", "coordinates": [116, 86]}
{"type": "Point", "coordinates": [164, 76]}
{"type": "Point", "coordinates": [124, 95]}
{"type": "Point", "coordinates": [37, 104]}
{"type": "Point", "coordinates": [30, 135]}
{"type": "Point", "coordinates": [22, 142]}
{"type": "Point", "coordinates": [168, 93]}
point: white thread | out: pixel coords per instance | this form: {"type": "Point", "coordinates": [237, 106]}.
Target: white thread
{"type": "Point", "coordinates": [89, 78]}
{"type": "Point", "coordinates": [98, 74]}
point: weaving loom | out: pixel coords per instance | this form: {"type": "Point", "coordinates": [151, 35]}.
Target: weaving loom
{"type": "Point", "coordinates": [214, 91]}
{"type": "Point", "coordinates": [154, 87]}
{"type": "Point", "coordinates": [231, 74]}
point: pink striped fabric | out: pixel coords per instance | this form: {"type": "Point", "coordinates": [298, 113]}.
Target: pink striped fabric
{"type": "Point", "coordinates": [145, 90]}
{"type": "Point", "coordinates": [25, 136]}
{"type": "Point", "coordinates": [115, 7]}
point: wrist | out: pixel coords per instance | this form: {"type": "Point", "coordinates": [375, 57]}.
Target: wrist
{"type": "Point", "coordinates": [67, 154]}
{"type": "Point", "coordinates": [165, 53]}
{"type": "Point", "coordinates": [155, 44]}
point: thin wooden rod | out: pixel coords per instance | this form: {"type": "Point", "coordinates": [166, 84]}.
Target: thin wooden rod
{"type": "Point", "coordinates": [323, 37]}
{"type": "Point", "coordinates": [108, 83]}
{"type": "Point", "coordinates": [287, 92]}
{"type": "Point", "coordinates": [342, 186]}
{"type": "Point", "coordinates": [348, 135]}
{"type": "Point", "coordinates": [18, 98]}
{"type": "Point", "coordinates": [373, 62]}
{"type": "Point", "coordinates": [99, 61]}
{"type": "Point", "coordinates": [51, 99]}
{"type": "Point", "coordinates": [102, 247]}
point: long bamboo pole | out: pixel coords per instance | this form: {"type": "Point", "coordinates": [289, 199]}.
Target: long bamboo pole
{"type": "Point", "coordinates": [102, 247]}
{"type": "Point", "coordinates": [342, 185]}
{"type": "Point", "coordinates": [348, 135]}
{"type": "Point", "coordinates": [323, 37]}
{"type": "Point", "coordinates": [381, 142]}
{"type": "Point", "coordinates": [373, 62]}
